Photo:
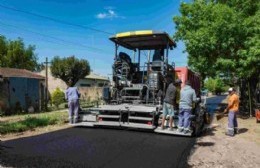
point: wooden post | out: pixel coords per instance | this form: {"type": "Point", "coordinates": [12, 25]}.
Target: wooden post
{"type": "Point", "coordinates": [250, 101]}
{"type": "Point", "coordinates": [46, 84]}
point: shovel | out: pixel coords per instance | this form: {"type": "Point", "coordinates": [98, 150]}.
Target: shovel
{"type": "Point", "coordinates": [220, 115]}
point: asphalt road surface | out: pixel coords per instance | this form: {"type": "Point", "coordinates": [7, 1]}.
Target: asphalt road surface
{"type": "Point", "coordinates": [97, 148]}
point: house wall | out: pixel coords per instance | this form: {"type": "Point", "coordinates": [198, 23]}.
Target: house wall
{"type": "Point", "coordinates": [91, 83]}
{"type": "Point", "coordinates": [4, 94]}
{"type": "Point", "coordinates": [90, 93]}
{"type": "Point", "coordinates": [25, 91]}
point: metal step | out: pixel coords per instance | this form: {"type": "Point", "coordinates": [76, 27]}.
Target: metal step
{"type": "Point", "coordinates": [140, 118]}
{"type": "Point", "coordinates": [87, 117]}
{"type": "Point", "coordinates": [108, 116]}
{"type": "Point", "coordinates": [107, 123]}
{"type": "Point", "coordinates": [86, 124]}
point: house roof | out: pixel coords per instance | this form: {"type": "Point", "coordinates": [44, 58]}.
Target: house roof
{"type": "Point", "coordinates": [96, 76]}
{"type": "Point", "coordinates": [22, 73]}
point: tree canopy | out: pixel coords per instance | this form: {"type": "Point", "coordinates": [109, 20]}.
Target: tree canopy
{"type": "Point", "coordinates": [69, 68]}
{"type": "Point", "coordinates": [14, 54]}
{"type": "Point", "coordinates": [215, 85]}
{"type": "Point", "coordinates": [221, 36]}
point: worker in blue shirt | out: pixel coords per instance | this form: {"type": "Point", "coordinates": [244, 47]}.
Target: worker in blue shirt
{"type": "Point", "coordinates": [72, 96]}
{"type": "Point", "coordinates": [187, 98]}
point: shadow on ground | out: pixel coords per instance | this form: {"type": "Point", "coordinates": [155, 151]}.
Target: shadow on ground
{"type": "Point", "coordinates": [205, 143]}
{"type": "Point", "coordinates": [88, 147]}
{"type": "Point", "coordinates": [242, 130]}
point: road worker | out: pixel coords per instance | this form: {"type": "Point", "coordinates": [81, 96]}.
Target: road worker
{"type": "Point", "coordinates": [232, 109]}
{"type": "Point", "coordinates": [72, 95]}
{"type": "Point", "coordinates": [170, 102]}
{"type": "Point", "coordinates": [187, 98]}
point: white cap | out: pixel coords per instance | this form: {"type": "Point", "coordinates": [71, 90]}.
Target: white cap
{"type": "Point", "coordinates": [230, 89]}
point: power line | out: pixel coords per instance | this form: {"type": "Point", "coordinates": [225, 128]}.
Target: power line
{"type": "Point", "coordinates": [55, 20]}
{"type": "Point", "coordinates": [58, 39]}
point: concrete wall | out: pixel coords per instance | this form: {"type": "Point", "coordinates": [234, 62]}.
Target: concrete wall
{"type": "Point", "coordinates": [90, 93]}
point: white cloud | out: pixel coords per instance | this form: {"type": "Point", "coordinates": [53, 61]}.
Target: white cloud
{"type": "Point", "coordinates": [101, 15]}
{"type": "Point", "coordinates": [108, 14]}
{"type": "Point", "coordinates": [112, 13]}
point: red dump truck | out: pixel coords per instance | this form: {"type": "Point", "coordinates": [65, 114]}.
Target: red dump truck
{"type": "Point", "coordinates": [184, 74]}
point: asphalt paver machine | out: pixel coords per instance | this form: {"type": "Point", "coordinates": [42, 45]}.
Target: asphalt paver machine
{"type": "Point", "coordinates": [139, 82]}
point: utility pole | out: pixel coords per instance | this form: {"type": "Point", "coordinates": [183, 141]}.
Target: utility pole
{"type": "Point", "coordinates": [46, 84]}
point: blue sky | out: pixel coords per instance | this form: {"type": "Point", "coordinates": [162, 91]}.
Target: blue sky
{"type": "Point", "coordinates": [52, 37]}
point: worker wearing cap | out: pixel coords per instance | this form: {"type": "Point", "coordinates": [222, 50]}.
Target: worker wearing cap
{"type": "Point", "coordinates": [178, 83]}
{"type": "Point", "coordinates": [187, 98]}
{"type": "Point", "coordinates": [169, 103]}
{"type": "Point", "coordinates": [232, 109]}
{"type": "Point", "coordinates": [72, 95]}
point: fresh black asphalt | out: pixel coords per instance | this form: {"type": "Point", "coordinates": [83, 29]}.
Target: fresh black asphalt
{"type": "Point", "coordinates": [97, 148]}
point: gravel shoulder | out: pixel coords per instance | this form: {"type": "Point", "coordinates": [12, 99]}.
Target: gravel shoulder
{"type": "Point", "coordinates": [215, 149]}
{"type": "Point", "coordinates": [34, 132]}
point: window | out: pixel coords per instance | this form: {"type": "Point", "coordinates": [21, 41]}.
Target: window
{"type": "Point", "coordinates": [85, 85]}
{"type": "Point", "coordinates": [100, 84]}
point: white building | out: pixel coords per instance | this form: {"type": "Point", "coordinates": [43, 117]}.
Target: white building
{"type": "Point", "coordinates": [93, 80]}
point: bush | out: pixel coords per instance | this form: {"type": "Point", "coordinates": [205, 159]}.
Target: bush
{"type": "Point", "coordinates": [57, 97]}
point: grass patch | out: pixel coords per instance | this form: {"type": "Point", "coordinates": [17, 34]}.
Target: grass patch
{"type": "Point", "coordinates": [27, 122]}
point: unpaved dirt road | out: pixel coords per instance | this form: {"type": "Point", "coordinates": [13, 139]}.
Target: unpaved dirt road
{"type": "Point", "coordinates": [215, 149]}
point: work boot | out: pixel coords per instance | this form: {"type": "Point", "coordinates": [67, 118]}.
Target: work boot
{"type": "Point", "coordinates": [70, 121]}
{"type": "Point", "coordinates": [186, 131]}
{"type": "Point", "coordinates": [75, 120]}
{"type": "Point", "coordinates": [161, 128]}
{"type": "Point", "coordinates": [235, 130]}
{"type": "Point", "coordinates": [230, 132]}
{"type": "Point", "coordinates": [180, 129]}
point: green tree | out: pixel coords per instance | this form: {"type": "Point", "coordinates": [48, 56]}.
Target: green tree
{"type": "Point", "coordinates": [221, 36]}
{"type": "Point", "coordinates": [14, 54]}
{"type": "Point", "coordinates": [3, 50]}
{"type": "Point", "coordinates": [69, 68]}
{"type": "Point", "coordinates": [215, 85]}
{"type": "Point", "coordinates": [57, 97]}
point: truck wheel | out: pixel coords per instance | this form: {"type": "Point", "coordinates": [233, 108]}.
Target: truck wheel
{"type": "Point", "coordinates": [198, 130]}
{"type": "Point", "coordinates": [197, 133]}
